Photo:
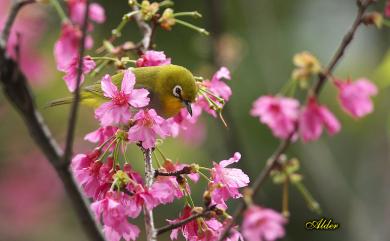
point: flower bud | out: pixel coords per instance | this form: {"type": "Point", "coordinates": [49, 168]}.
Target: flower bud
{"type": "Point", "coordinates": [248, 193]}
{"type": "Point", "coordinates": [95, 154]}
{"type": "Point", "coordinates": [307, 61]}
{"type": "Point", "coordinates": [212, 214]}
{"type": "Point", "coordinates": [194, 168]}
{"type": "Point", "coordinates": [148, 10]}
{"type": "Point", "coordinates": [167, 19]}
{"type": "Point", "coordinates": [182, 181]}
{"type": "Point", "coordinates": [168, 163]}
{"type": "Point", "coordinates": [207, 198]}
{"type": "Point", "coordinates": [306, 66]}
{"type": "Point", "coordinates": [197, 210]}
{"type": "Point", "coordinates": [374, 18]}
{"type": "Point", "coordinates": [121, 178]}
{"type": "Point", "coordinates": [121, 135]}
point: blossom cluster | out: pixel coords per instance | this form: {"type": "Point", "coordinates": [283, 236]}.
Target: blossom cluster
{"type": "Point", "coordinates": [66, 49]}
{"type": "Point", "coordinates": [287, 118]}
{"type": "Point", "coordinates": [119, 192]}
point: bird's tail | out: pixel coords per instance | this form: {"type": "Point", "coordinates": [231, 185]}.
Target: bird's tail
{"type": "Point", "coordinates": [61, 101]}
{"type": "Point", "coordinates": [86, 98]}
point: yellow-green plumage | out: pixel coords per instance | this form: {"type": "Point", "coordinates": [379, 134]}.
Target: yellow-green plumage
{"type": "Point", "coordinates": [159, 80]}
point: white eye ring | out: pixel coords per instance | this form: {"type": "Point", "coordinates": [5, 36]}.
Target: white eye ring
{"type": "Point", "coordinates": [177, 91]}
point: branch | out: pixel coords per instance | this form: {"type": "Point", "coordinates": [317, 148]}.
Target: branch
{"type": "Point", "coordinates": [16, 89]}
{"type": "Point", "coordinates": [75, 104]}
{"type": "Point", "coordinates": [362, 7]}
{"type": "Point", "coordinates": [149, 171]}
{"type": "Point", "coordinates": [148, 213]}
{"type": "Point", "coordinates": [145, 29]}
{"type": "Point", "coordinates": [185, 170]}
{"type": "Point", "coordinates": [283, 146]}
{"type": "Point", "coordinates": [172, 226]}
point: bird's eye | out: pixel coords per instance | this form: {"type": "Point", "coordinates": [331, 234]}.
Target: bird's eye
{"type": "Point", "coordinates": [177, 91]}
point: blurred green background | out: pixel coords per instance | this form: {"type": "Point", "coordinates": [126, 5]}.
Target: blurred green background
{"type": "Point", "coordinates": [256, 39]}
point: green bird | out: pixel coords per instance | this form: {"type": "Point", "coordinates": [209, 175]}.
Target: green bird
{"type": "Point", "coordinates": [171, 88]}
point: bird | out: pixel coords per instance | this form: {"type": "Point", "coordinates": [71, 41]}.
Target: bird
{"type": "Point", "coordinates": [171, 88]}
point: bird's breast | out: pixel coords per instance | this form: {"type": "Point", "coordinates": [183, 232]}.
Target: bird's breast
{"type": "Point", "coordinates": [170, 106]}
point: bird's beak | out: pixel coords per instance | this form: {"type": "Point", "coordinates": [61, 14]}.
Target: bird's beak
{"type": "Point", "coordinates": [188, 106]}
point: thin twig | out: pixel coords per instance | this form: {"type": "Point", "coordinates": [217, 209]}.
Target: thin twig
{"type": "Point", "coordinates": [182, 222]}
{"type": "Point", "coordinates": [75, 104]}
{"type": "Point", "coordinates": [183, 171]}
{"type": "Point", "coordinates": [17, 90]}
{"type": "Point", "coordinates": [283, 146]}
{"type": "Point", "coordinates": [362, 7]}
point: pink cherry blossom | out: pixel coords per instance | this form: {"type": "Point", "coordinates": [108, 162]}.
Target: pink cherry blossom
{"type": "Point", "coordinates": [222, 73]}
{"type": "Point", "coordinates": [153, 58]}
{"type": "Point", "coordinates": [204, 105]}
{"type": "Point", "coordinates": [212, 230]}
{"type": "Point", "coordinates": [86, 171]}
{"type": "Point", "coordinates": [261, 224]}
{"type": "Point", "coordinates": [228, 179]}
{"type": "Point", "coordinates": [25, 35]}
{"type": "Point", "coordinates": [163, 192]}
{"type": "Point", "coordinates": [312, 120]}
{"type": "Point", "coordinates": [235, 235]}
{"type": "Point", "coordinates": [192, 134]}
{"type": "Point", "coordinates": [114, 212]}
{"type": "Point", "coordinates": [208, 230]}
{"type": "Point", "coordinates": [66, 47]}
{"type": "Point", "coordinates": [183, 120]}
{"type": "Point", "coordinates": [140, 197]}
{"type": "Point", "coordinates": [135, 176]}
{"type": "Point", "coordinates": [72, 70]}
{"type": "Point", "coordinates": [148, 125]}
{"type": "Point", "coordinates": [166, 189]}
{"type": "Point", "coordinates": [195, 135]}
{"type": "Point", "coordinates": [278, 113]}
{"type": "Point", "coordinates": [188, 127]}
{"type": "Point", "coordinates": [217, 87]}
{"type": "Point", "coordinates": [117, 110]}
{"type": "Point", "coordinates": [35, 66]}
{"type": "Point", "coordinates": [355, 96]}
{"type": "Point", "coordinates": [387, 9]}
{"type": "Point", "coordinates": [97, 13]}
{"type": "Point", "coordinates": [106, 175]}
{"type": "Point", "coordinates": [101, 135]}
{"type": "Point", "coordinates": [188, 229]}
{"type": "Point", "coordinates": [77, 10]}
{"type": "Point", "coordinates": [95, 177]}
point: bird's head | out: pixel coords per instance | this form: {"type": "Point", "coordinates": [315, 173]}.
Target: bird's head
{"type": "Point", "coordinates": [179, 89]}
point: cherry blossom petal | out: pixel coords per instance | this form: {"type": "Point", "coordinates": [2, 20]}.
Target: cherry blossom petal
{"type": "Point", "coordinates": [109, 89]}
